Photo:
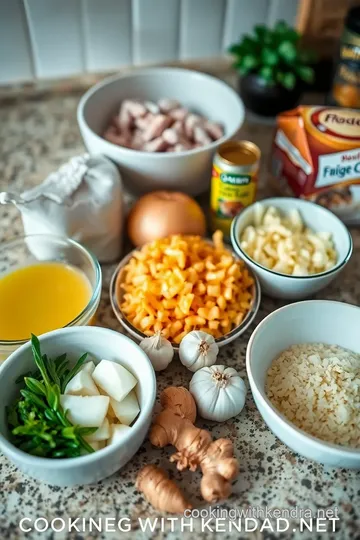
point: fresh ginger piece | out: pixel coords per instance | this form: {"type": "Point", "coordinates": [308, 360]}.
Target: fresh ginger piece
{"type": "Point", "coordinates": [195, 447]}
{"type": "Point", "coordinates": [180, 401]}
{"type": "Point", "coordinates": [161, 492]}
{"type": "Point", "coordinates": [219, 468]}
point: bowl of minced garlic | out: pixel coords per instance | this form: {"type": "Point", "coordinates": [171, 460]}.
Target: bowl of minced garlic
{"type": "Point", "coordinates": [182, 283]}
{"type": "Point", "coordinates": [295, 247]}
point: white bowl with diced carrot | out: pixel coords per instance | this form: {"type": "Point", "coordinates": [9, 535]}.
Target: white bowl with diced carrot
{"type": "Point", "coordinates": [89, 400]}
{"type": "Point", "coordinates": [221, 299]}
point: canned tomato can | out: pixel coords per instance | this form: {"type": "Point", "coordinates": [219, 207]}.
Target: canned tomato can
{"type": "Point", "coordinates": [233, 182]}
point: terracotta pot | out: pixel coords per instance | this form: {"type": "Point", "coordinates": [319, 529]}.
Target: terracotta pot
{"type": "Point", "coordinates": [268, 100]}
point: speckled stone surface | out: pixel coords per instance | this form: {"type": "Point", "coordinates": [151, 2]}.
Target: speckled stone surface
{"type": "Point", "coordinates": [38, 135]}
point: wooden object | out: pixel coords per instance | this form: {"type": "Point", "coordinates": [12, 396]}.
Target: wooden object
{"type": "Point", "coordinates": [321, 23]}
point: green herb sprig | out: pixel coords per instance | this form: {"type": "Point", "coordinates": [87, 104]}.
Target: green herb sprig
{"type": "Point", "coordinates": [39, 424]}
{"type": "Point", "coordinates": [275, 54]}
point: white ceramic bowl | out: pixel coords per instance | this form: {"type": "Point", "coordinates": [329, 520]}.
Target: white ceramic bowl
{"type": "Point", "coordinates": [142, 172]}
{"type": "Point", "coordinates": [321, 321]}
{"type": "Point", "coordinates": [115, 299]}
{"type": "Point", "coordinates": [100, 343]}
{"type": "Point", "coordinates": [317, 218]}
{"type": "Point", "coordinates": [34, 248]}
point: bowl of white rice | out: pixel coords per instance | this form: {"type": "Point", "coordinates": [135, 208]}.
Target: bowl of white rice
{"type": "Point", "coordinates": [303, 365]}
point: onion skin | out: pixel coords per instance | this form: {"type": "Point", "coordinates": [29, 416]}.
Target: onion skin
{"type": "Point", "coordinates": [162, 213]}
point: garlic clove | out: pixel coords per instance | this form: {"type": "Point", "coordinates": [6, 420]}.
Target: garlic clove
{"type": "Point", "coordinates": [159, 350]}
{"type": "Point", "coordinates": [197, 350]}
{"type": "Point", "coordinates": [219, 392]}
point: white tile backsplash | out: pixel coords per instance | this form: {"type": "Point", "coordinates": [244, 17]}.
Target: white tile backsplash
{"type": "Point", "coordinates": [282, 9]}
{"type": "Point", "coordinates": [107, 33]}
{"type": "Point", "coordinates": [241, 16]}
{"type": "Point", "coordinates": [61, 38]}
{"type": "Point", "coordinates": [155, 30]}
{"type": "Point", "coordinates": [201, 28]}
{"type": "Point", "coordinates": [57, 37]}
{"type": "Point", "coordinates": [15, 51]}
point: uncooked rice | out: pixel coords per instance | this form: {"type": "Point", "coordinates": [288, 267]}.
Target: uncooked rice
{"type": "Point", "coordinates": [317, 387]}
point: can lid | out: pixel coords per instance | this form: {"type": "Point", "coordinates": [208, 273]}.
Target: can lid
{"type": "Point", "coordinates": [239, 152]}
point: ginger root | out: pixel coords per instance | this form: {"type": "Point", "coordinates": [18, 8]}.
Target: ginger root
{"type": "Point", "coordinates": [195, 448]}
{"type": "Point", "coordinates": [161, 492]}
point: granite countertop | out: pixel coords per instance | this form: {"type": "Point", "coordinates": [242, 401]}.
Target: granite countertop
{"type": "Point", "coordinates": [37, 135]}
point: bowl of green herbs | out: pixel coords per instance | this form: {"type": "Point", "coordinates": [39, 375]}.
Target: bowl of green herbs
{"type": "Point", "coordinates": [36, 432]}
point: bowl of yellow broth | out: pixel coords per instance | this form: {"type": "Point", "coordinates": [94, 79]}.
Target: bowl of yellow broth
{"type": "Point", "coordinates": [46, 282]}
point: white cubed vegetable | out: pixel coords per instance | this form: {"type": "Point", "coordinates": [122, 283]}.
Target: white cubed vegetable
{"type": "Point", "coordinates": [111, 413]}
{"type": "Point", "coordinates": [82, 385]}
{"type": "Point", "coordinates": [117, 432]}
{"type": "Point", "coordinates": [86, 411]}
{"type": "Point", "coordinates": [296, 221]}
{"type": "Point", "coordinates": [101, 434]}
{"type": "Point", "coordinates": [97, 445]}
{"type": "Point", "coordinates": [259, 211]}
{"type": "Point", "coordinates": [114, 379]}
{"type": "Point", "coordinates": [88, 367]}
{"type": "Point", "coordinates": [127, 409]}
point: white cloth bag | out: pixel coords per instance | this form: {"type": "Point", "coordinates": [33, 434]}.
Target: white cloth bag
{"type": "Point", "coordinates": [82, 200]}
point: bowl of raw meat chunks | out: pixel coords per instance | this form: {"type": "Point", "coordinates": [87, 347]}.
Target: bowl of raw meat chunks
{"type": "Point", "coordinates": [161, 126]}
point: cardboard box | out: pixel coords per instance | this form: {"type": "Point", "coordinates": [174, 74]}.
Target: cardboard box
{"type": "Point", "coordinates": [316, 156]}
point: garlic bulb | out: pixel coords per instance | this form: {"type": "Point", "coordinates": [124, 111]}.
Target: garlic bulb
{"type": "Point", "coordinates": [159, 350]}
{"type": "Point", "coordinates": [219, 392]}
{"type": "Point", "coordinates": [197, 350]}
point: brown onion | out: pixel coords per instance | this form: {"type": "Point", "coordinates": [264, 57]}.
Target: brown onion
{"type": "Point", "coordinates": [161, 213]}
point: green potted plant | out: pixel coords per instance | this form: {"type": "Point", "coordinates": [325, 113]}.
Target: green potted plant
{"type": "Point", "coordinates": [274, 70]}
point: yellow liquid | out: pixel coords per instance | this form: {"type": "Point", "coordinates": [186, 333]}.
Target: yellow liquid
{"type": "Point", "coordinates": [40, 298]}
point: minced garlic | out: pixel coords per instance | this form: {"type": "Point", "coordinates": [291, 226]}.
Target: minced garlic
{"type": "Point", "coordinates": [283, 243]}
